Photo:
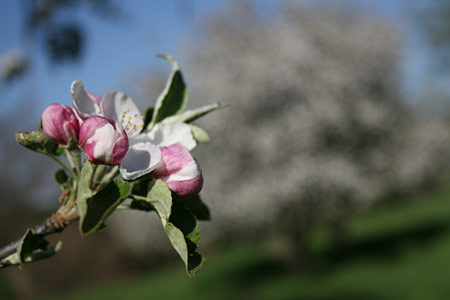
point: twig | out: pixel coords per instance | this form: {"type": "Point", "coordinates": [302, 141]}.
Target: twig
{"type": "Point", "coordinates": [55, 223]}
{"type": "Point", "coordinates": [63, 165]}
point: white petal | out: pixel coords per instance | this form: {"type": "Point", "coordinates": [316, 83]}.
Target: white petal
{"type": "Point", "coordinates": [118, 106]}
{"type": "Point", "coordinates": [169, 134]}
{"type": "Point", "coordinates": [188, 172]}
{"type": "Point", "coordinates": [83, 104]}
{"type": "Point", "coordinates": [141, 159]}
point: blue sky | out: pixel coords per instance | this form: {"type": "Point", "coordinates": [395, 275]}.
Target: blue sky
{"type": "Point", "coordinates": [113, 49]}
{"type": "Point", "coordinates": [116, 49]}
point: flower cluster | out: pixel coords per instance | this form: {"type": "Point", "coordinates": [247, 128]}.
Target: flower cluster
{"type": "Point", "coordinates": [104, 138]}
{"type": "Point", "coordinates": [110, 130]}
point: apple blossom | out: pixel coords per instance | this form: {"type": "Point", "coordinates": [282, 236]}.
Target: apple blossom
{"type": "Point", "coordinates": [85, 104]}
{"type": "Point", "coordinates": [60, 123]}
{"type": "Point", "coordinates": [103, 140]}
{"type": "Point", "coordinates": [179, 170]}
{"type": "Point", "coordinates": [94, 97]}
{"type": "Point", "coordinates": [143, 155]}
{"type": "Point", "coordinates": [112, 135]}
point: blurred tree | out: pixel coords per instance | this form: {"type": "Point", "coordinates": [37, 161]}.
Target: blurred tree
{"type": "Point", "coordinates": [434, 19]}
{"type": "Point", "coordinates": [62, 37]}
{"type": "Point", "coordinates": [13, 65]}
{"type": "Point", "coordinates": [318, 128]}
{"type": "Point", "coordinates": [53, 24]}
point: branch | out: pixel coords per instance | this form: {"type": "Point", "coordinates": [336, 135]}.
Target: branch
{"type": "Point", "coordinates": [55, 223]}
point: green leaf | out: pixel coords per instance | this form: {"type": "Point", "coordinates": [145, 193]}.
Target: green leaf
{"type": "Point", "coordinates": [184, 220]}
{"type": "Point", "coordinates": [179, 224]}
{"type": "Point", "coordinates": [183, 232]}
{"type": "Point", "coordinates": [141, 205]}
{"type": "Point", "coordinates": [102, 205]}
{"type": "Point", "coordinates": [99, 174]}
{"type": "Point", "coordinates": [174, 97]}
{"type": "Point", "coordinates": [140, 187]}
{"type": "Point", "coordinates": [37, 141]}
{"type": "Point", "coordinates": [84, 190]}
{"type": "Point", "coordinates": [199, 134]}
{"type": "Point", "coordinates": [63, 180]}
{"type": "Point", "coordinates": [195, 205]}
{"type": "Point", "coordinates": [61, 177]}
{"type": "Point", "coordinates": [148, 117]}
{"type": "Point", "coordinates": [160, 198]}
{"type": "Point", "coordinates": [30, 243]}
{"type": "Point", "coordinates": [193, 114]}
{"type": "Point", "coordinates": [33, 247]}
{"type": "Point", "coordinates": [59, 151]}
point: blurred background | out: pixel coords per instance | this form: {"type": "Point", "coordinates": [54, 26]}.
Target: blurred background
{"type": "Point", "coordinates": [327, 178]}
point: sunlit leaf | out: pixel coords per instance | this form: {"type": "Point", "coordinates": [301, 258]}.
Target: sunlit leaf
{"type": "Point", "coordinates": [199, 134]}
{"type": "Point", "coordinates": [193, 114]}
{"type": "Point", "coordinates": [173, 98]}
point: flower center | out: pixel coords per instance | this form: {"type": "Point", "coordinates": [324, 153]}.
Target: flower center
{"type": "Point", "coordinates": [131, 123]}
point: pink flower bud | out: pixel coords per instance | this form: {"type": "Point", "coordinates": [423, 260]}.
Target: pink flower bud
{"type": "Point", "coordinates": [103, 140]}
{"type": "Point", "coordinates": [60, 122]}
{"type": "Point", "coordinates": [179, 170]}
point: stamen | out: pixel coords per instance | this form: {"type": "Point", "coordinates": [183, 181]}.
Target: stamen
{"type": "Point", "coordinates": [128, 122]}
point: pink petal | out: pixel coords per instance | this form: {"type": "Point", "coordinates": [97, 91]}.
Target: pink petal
{"type": "Point", "coordinates": [59, 122]}
{"type": "Point", "coordinates": [173, 158]}
{"type": "Point", "coordinates": [120, 150]}
{"type": "Point", "coordinates": [187, 187]}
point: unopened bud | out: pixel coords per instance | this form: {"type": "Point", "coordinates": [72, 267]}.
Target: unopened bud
{"type": "Point", "coordinates": [104, 141]}
{"type": "Point", "coordinates": [60, 123]}
{"type": "Point", "coordinates": [179, 170]}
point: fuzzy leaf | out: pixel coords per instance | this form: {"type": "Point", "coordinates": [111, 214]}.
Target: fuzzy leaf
{"type": "Point", "coordinates": [186, 222]}
{"type": "Point", "coordinates": [37, 141]}
{"type": "Point", "coordinates": [179, 223]}
{"type": "Point", "coordinates": [102, 205]}
{"type": "Point", "coordinates": [84, 190]}
{"type": "Point", "coordinates": [193, 114]}
{"type": "Point", "coordinates": [174, 97]}
{"type": "Point", "coordinates": [199, 134]}
{"type": "Point", "coordinates": [184, 234]}
{"type": "Point", "coordinates": [160, 198]}
{"type": "Point", "coordinates": [33, 247]}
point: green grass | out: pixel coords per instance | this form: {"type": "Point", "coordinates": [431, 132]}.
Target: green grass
{"type": "Point", "coordinates": [400, 252]}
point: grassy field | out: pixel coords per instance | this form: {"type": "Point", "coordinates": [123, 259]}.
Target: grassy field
{"type": "Point", "coordinates": [400, 252]}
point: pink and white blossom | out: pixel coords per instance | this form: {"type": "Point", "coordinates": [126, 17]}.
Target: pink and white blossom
{"type": "Point", "coordinates": [144, 153]}
{"type": "Point", "coordinates": [94, 97]}
{"type": "Point", "coordinates": [103, 140]}
{"type": "Point", "coordinates": [179, 170]}
{"type": "Point", "coordinates": [60, 123]}
{"type": "Point", "coordinates": [85, 104]}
